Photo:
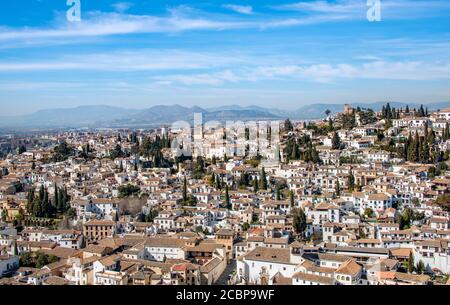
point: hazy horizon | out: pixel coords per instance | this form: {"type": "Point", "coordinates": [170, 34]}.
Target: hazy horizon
{"type": "Point", "coordinates": [270, 53]}
{"type": "Point", "coordinates": [208, 107]}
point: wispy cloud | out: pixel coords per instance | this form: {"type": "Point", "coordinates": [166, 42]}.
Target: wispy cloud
{"type": "Point", "coordinates": [122, 7]}
{"type": "Point", "coordinates": [322, 73]}
{"type": "Point", "coordinates": [322, 6]}
{"type": "Point", "coordinates": [241, 9]}
{"type": "Point", "coordinates": [178, 19]}
{"type": "Point", "coordinates": [136, 60]}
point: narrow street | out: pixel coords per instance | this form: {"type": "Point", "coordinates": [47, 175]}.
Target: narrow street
{"type": "Point", "coordinates": [223, 279]}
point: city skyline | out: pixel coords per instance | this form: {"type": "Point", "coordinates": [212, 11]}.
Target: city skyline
{"type": "Point", "coordinates": [274, 54]}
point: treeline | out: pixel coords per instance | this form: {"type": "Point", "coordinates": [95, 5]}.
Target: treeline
{"type": "Point", "coordinates": [128, 190]}
{"type": "Point", "coordinates": [149, 148]}
{"type": "Point", "coordinates": [62, 152]}
{"type": "Point", "coordinates": [390, 113]}
{"type": "Point", "coordinates": [419, 148]}
{"type": "Point", "coordinates": [40, 205]}
{"type": "Point", "coordinates": [301, 149]}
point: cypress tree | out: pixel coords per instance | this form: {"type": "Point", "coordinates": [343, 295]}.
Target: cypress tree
{"type": "Point", "coordinates": [184, 189]}
{"type": "Point", "coordinates": [65, 200]}
{"type": "Point", "coordinates": [46, 209]}
{"type": "Point", "coordinates": [263, 180]}
{"type": "Point", "coordinates": [217, 182]}
{"type": "Point", "coordinates": [227, 198]}
{"type": "Point", "coordinates": [335, 141]}
{"type": "Point", "coordinates": [416, 147]}
{"type": "Point", "coordinates": [410, 263]}
{"type": "Point", "coordinates": [212, 180]}
{"type": "Point", "coordinates": [30, 200]}
{"type": "Point", "coordinates": [338, 188]}
{"type": "Point", "coordinates": [351, 182]}
{"type": "Point", "coordinates": [255, 184]}
{"type": "Point", "coordinates": [388, 111]}
{"type": "Point", "coordinates": [445, 134]}
{"type": "Point", "coordinates": [56, 202]}
{"type": "Point", "coordinates": [37, 209]}
{"type": "Point", "coordinates": [41, 193]}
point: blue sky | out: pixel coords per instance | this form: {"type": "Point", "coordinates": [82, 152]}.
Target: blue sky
{"type": "Point", "coordinates": [280, 54]}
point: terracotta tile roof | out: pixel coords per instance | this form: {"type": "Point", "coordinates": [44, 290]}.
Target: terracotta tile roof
{"type": "Point", "coordinates": [269, 255]}
{"type": "Point", "coordinates": [350, 267]}
{"type": "Point", "coordinates": [313, 278]}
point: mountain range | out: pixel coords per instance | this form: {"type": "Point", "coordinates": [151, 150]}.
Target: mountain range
{"type": "Point", "coordinates": [108, 116]}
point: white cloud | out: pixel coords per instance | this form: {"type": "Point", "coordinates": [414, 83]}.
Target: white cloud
{"type": "Point", "coordinates": [209, 79]}
{"type": "Point", "coordinates": [122, 7]}
{"type": "Point", "coordinates": [322, 6]}
{"type": "Point", "coordinates": [184, 18]}
{"type": "Point", "coordinates": [241, 9]}
{"type": "Point", "coordinates": [322, 73]}
{"type": "Point", "coordinates": [178, 19]}
{"type": "Point", "coordinates": [103, 24]}
{"type": "Point", "coordinates": [142, 60]}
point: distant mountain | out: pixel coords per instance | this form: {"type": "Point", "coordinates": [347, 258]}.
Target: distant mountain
{"type": "Point", "coordinates": [63, 117]}
{"type": "Point", "coordinates": [157, 115]}
{"type": "Point", "coordinates": [107, 116]}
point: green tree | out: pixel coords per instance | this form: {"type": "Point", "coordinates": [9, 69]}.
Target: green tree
{"type": "Point", "coordinates": [184, 189]}
{"type": "Point", "coordinates": [369, 212]}
{"type": "Point", "coordinates": [351, 182]}
{"type": "Point", "coordinates": [410, 263]}
{"type": "Point", "coordinates": [128, 190]}
{"type": "Point", "coordinates": [43, 259]}
{"type": "Point", "coordinates": [337, 188]}
{"type": "Point", "coordinates": [263, 181]}
{"type": "Point", "coordinates": [227, 198]}
{"type": "Point", "coordinates": [255, 185]}
{"type": "Point", "coordinates": [211, 179]}
{"type": "Point", "coordinates": [444, 201]}
{"type": "Point", "coordinates": [420, 267]}
{"type": "Point", "coordinates": [116, 152]}
{"type": "Point", "coordinates": [335, 141]}
{"type": "Point", "coordinates": [445, 133]}
{"type": "Point", "coordinates": [288, 125]}
{"type": "Point", "coordinates": [4, 215]}
{"type": "Point", "coordinates": [299, 220]}
{"type": "Point", "coordinates": [56, 198]}
{"type": "Point", "coordinates": [62, 152]}
{"type": "Point", "coordinates": [26, 260]}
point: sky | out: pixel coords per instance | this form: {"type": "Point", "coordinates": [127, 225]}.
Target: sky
{"type": "Point", "coordinates": [271, 53]}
